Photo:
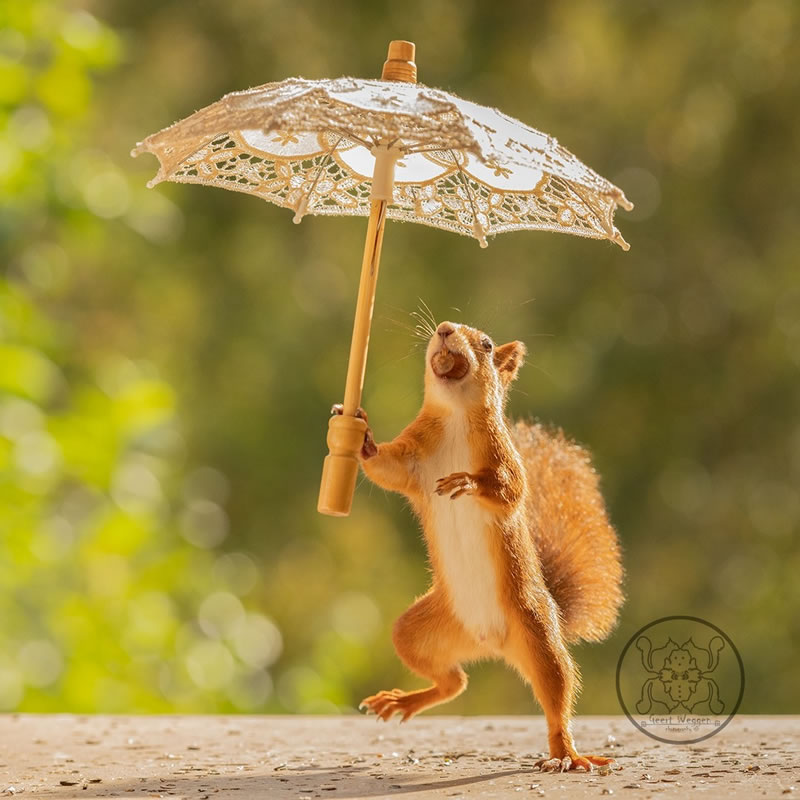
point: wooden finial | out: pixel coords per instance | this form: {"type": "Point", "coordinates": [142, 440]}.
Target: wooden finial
{"type": "Point", "coordinates": [399, 64]}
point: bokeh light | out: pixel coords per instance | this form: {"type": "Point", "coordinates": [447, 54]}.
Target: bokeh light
{"type": "Point", "coordinates": [168, 357]}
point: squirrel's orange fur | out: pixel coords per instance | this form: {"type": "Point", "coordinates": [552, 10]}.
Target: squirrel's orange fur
{"type": "Point", "coordinates": [524, 558]}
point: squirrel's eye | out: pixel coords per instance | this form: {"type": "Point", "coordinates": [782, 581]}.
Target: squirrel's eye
{"type": "Point", "coordinates": [486, 344]}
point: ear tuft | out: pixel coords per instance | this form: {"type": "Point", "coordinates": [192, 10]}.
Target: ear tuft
{"type": "Point", "coordinates": [508, 358]}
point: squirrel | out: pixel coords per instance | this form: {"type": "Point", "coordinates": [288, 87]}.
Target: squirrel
{"type": "Point", "coordinates": [524, 559]}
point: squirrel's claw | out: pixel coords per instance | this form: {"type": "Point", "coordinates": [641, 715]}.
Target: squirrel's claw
{"type": "Point", "coordinates": [369, 448]}
{"type": "Point", "coordinates": [456, 484]}
{"type": "Point", "coordinates": [393, 701]}
{"type": "Point", "coordinates": [338, 408]}
{"type": "Point", "coordinates": [571, 763]}
{"type": "Point", "coordinates": [553, 764]}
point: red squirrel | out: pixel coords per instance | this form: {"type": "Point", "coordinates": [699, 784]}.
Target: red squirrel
{"type": "Point", "coordinates": [523, 556]}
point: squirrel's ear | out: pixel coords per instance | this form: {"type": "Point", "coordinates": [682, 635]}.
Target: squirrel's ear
{"type": "Point", "coordinates": [508, 359]}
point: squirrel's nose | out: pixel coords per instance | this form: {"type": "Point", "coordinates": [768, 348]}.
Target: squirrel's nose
{"type": "Point", "coordinates": [445, 329]}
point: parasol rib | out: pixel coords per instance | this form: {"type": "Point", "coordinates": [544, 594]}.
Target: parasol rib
{"type": "Point", "coordinates": [305, 200]}
{"type": "Point", "coordinates": [477, 228]}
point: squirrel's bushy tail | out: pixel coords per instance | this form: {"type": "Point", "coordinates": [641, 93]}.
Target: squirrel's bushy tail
{"type": "Point", "coordinates": [577, 546]}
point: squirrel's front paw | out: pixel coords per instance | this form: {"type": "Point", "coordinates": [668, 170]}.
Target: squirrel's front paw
{"type": "Point", "coordinates": [456, 484]}
{"type": "Point", "coordinates": [369, 448]}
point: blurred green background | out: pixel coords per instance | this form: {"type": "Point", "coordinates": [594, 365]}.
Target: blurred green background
{"type": "Point", "coordinates": [168, 357]}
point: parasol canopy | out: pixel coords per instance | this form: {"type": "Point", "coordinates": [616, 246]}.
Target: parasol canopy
{"type": "Point", "coordinates": [308, 145]}
{"type": "Point", "coordinates": [384, 148]}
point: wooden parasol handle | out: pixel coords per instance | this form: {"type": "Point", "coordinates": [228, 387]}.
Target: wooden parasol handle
{"type": "Point", "coordinates": [346, 431]}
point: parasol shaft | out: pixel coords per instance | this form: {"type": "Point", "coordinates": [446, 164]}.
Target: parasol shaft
{"type": "Point", "coordinates": [366, 301]}
{"type": "Point", "coordinates": [346, 432]}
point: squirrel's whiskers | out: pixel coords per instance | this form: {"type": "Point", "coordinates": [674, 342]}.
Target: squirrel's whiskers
{"type": "Point", "coordinates": [402, 325]}
{"type": "Point", "coordinates": [425, 311]}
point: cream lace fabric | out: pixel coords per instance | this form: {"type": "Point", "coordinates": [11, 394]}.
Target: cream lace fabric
{"type": "Point", "coordinates": [466, 168]}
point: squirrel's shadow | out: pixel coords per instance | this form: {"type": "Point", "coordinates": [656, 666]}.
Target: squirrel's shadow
{"type": "Point", "coordinates": [350, 781]}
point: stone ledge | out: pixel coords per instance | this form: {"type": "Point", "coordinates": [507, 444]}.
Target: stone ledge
{"type": "Point", "coordinates": [245, 757]}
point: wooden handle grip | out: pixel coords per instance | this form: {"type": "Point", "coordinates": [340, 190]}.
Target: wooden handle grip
{"type": "Point", "coordinates": [340, 468]}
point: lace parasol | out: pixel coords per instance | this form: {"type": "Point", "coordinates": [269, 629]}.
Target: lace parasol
{"type": "Point", "coordinates": [384, 148]}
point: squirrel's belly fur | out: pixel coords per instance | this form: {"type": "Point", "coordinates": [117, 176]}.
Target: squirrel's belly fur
{"type": "Point", "coordinates": [458, 535]}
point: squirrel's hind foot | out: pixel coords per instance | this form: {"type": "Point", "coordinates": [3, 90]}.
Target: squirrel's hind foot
{"type": "Point", "coordinates": [389, 702]}
{"type": "Point", "coordinates": [572, 763]}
